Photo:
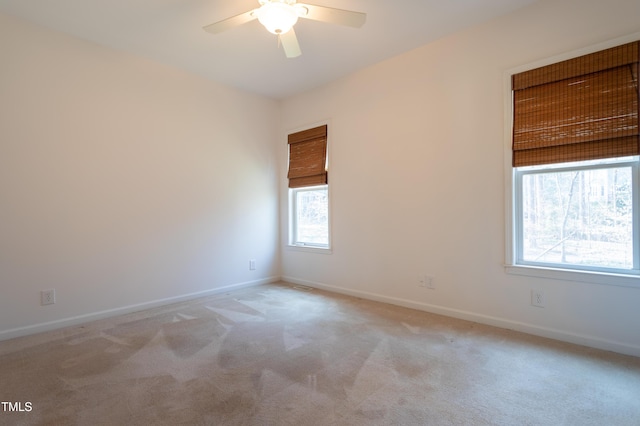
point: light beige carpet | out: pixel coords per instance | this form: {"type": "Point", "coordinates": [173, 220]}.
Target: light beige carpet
{"type": "Point", "coordinates": [277, 355]}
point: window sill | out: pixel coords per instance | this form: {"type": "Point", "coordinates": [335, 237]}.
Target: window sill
{"type": "Point", "coordinates": [603, 278]}
{"type": "Point", "coordinates": [309, 249]}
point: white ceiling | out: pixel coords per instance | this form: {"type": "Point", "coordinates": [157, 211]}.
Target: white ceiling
{"type": "Point", "coordinates": [248, 57]}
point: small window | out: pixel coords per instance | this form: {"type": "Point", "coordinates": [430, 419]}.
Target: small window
{"type": "Point", "coordinates": [308, 189]}
{"type": "Point", "coordinates": [310, 216]}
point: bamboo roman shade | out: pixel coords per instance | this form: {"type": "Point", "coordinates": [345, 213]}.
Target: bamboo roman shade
{"type": "Point", "coordinates": [308, 157]}
{"type": "Point", "coordinates": [580, 109]}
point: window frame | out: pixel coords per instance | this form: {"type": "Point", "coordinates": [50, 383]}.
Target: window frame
{"type": "Point", "coordinates": [293, 229]}
{"type": "Point", "coordinates": [511, 264]}
{"type": "Point", "coordinates": [520, 172]}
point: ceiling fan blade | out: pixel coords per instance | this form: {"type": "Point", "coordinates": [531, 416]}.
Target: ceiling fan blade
{"type": "Point", "coordinates": [333, 16]}
{"type": "Point", "coordinates": [290, 44]}
{"type": "Point", "coordinates": [234, 21]}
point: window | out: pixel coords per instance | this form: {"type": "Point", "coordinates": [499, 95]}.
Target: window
{"type": "Point", "coordinates": [308, 189]}
{"type": "Point", "coordinates": [575, 161]}
{"type": "Point", "coordinates": [578, 215]}
{"type": "Point", "coordinates": [310, 216]}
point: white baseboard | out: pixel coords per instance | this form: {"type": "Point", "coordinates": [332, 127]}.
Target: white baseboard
{"type": "Point", "coordinates": [81, 319]}
{"type": "Point", "coordinates": [551, 333]}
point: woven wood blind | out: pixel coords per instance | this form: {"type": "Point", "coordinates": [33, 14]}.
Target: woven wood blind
{"type": "Point", "coordinates": [308, 157]}
{"type": "Point", "coordinates": [581, 109]}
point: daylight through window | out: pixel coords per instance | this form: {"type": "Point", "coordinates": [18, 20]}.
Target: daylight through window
{"type": "Point", "coordinates": [578, 216]}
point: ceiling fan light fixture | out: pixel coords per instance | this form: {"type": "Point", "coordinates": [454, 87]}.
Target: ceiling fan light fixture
{"type": "Point", "coordinates": [277, 18]}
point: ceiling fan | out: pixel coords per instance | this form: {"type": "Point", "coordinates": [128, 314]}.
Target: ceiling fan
{"type": "Point", "coordinates": [279, 17]}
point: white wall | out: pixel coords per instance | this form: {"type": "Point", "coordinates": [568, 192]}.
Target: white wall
{"type": "Point", "coordinates": [417, 179]}
{"type": "Point", "coordinates": [124, 182]}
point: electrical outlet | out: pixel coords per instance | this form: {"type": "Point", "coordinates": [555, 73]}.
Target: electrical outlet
{"type": "Point", "coordinates": [252, 264]}
{"type": "Point", "coordinates": [48, 297]}
{"type": "Point", "coordinates": [429, 281]}
{"type": "Point", "coordinates": [537, 298]}
{"type": "Point", "coordinates": [422, 281]}
{"type": "Point", "coordinates": [425, 281]}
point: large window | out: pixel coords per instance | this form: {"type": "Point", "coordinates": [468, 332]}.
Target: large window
{"type": "Point", "coordinates": [308, 189]}
{"type": "Point", "coordinates": [575, 149]}
{"type": "Point", "coordinates": [578, 215]}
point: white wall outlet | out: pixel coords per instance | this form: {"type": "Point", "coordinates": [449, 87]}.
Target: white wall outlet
{"type": "Point", "coordinates": [425, 281]}
{"type": "Point", "coordinates": [538, 299]}
{"type": "Point", "coordinates": [252, 265]}
{"type": "Point", "coordinates": [430, 284]}
{"type": "Point", "coordinates": [48, 297]}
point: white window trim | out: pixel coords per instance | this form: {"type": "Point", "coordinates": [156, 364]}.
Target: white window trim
{"type": "Point", "coordinates": [511, 267]}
